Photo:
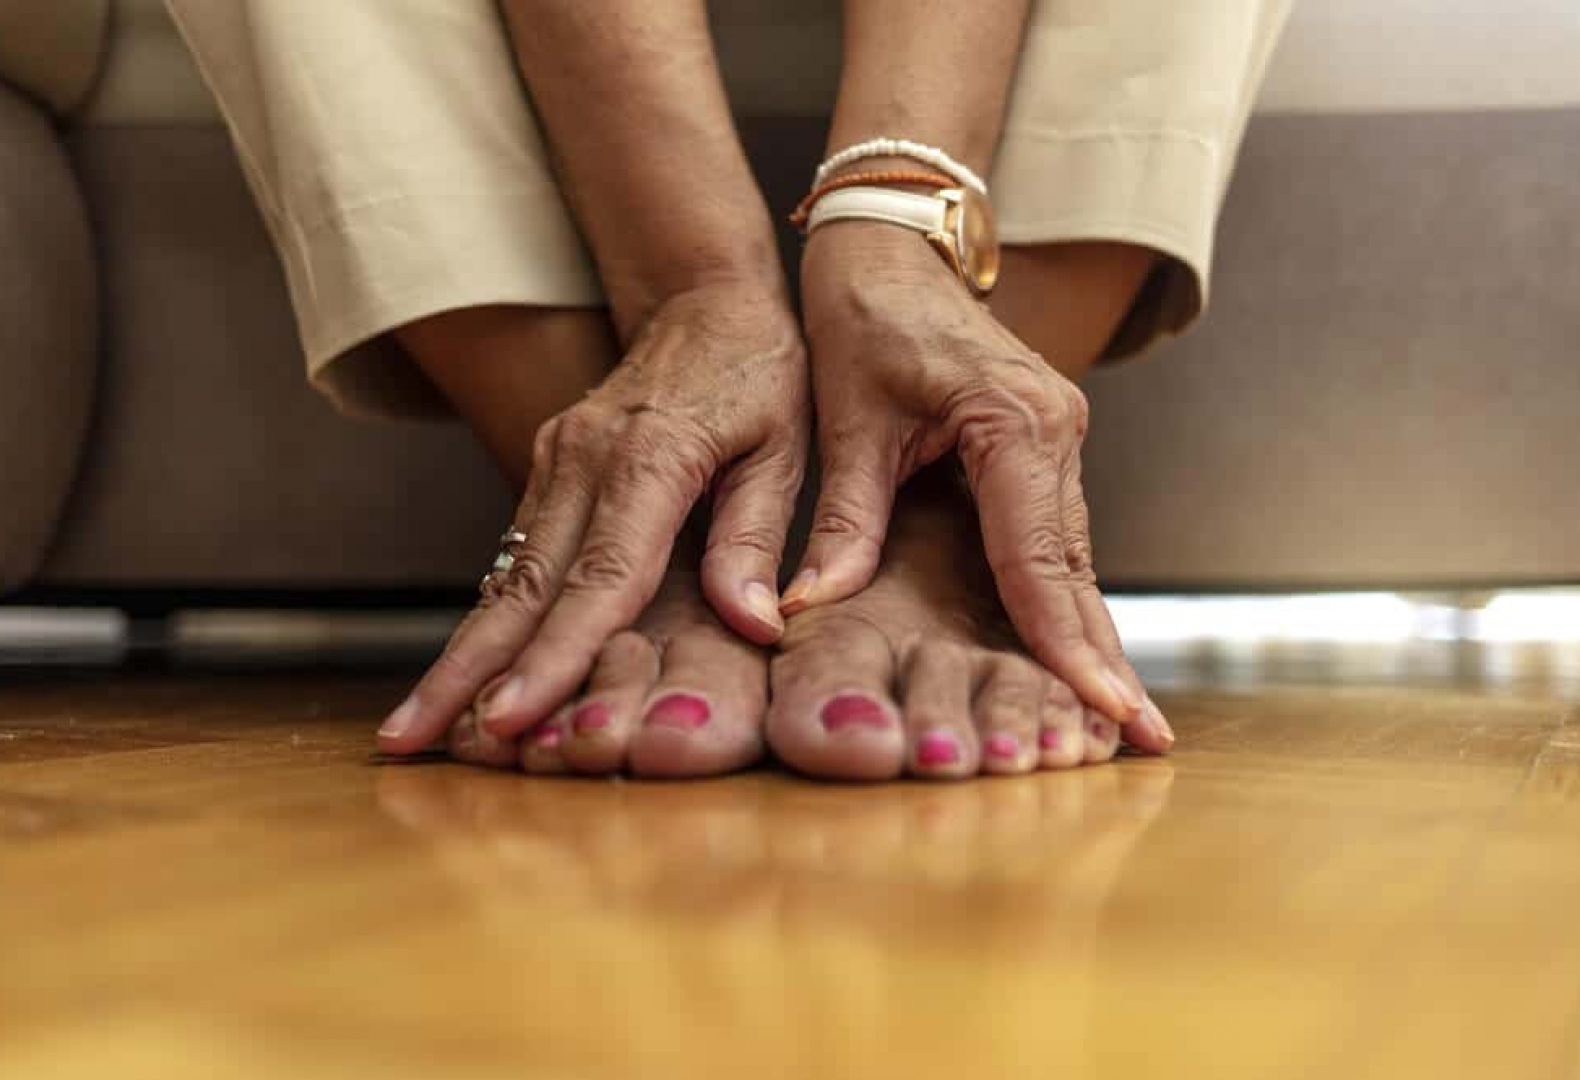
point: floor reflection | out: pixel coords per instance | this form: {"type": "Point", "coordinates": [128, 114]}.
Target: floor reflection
{"type": "Point", "coordinates": [833, 910]}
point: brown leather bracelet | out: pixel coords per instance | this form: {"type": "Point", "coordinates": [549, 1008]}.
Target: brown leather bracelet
{"type": "Point", "coordinates": [884, 178]}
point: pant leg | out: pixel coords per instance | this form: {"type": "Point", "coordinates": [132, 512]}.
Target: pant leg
{"type": "Point", "coordinates": [1124, 123]}
{"type": "Point", "coordinates": [399, 170]}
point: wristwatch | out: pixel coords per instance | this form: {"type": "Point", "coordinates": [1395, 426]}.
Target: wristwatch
{"type": "Point", "coordinates": [956, 221]}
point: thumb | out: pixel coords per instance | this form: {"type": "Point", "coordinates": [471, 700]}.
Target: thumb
{"type": "Point", "coordinates": [751, 515]}
{"type": "Point", "coordinates": [854, 503]}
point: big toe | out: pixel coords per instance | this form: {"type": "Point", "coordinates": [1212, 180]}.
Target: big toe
{"type": "Point", "coordinates": [832, 714]}
{"type": "Point", "coordinates": [704, 715]}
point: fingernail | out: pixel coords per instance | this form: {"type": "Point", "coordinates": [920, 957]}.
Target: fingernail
{"type": "Point", "coordinates": [1127, 696]}
{"type": "Point", "coordinates": [800, 588]}
{"type": "Point", "coordinates": [1002, 745]}
{"type": "Point", "coordinates": [1153, 717]}
{"type": "Point", "coordinates": [688, 712]}
{"type": "Point", "coordinates": [399, 721]}
{"type": "Point", "coordinates": [853, 710]}
{"type": "Point", "coordinates": [547, 738]}
{"type": "Point", "coordinates": [1049, 739]}
{"type": "Point", "coordinates": [465, 734]}
{"type": "Point", "coordinates": [937, 748]}
{"type": "Point", "coordinates": [502, 699]}
{"type": "Point", "coordinates": [762, 602]}
{"type": "Point", "coordinates": [593, 716]}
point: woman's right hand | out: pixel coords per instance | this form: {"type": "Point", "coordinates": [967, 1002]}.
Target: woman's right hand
{"type": "Point", "coordinates": [712, 393]}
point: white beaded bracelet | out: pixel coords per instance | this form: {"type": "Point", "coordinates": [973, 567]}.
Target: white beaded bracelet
{"type": "Point", "coordinates": [886, 147]}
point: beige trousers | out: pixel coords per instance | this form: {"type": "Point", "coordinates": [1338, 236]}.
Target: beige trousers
{"type": "Point", "coordinates": [401, 173]}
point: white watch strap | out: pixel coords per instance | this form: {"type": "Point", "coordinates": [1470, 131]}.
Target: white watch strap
{"type": "Point", "coordinates": [924, 213]}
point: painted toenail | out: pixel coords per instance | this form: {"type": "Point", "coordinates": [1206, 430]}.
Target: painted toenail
{"type": "Point", "coordinates": [685, 711]}
{"type": "Point", "coordinates": [593, 716]}
{"type": "Point", "coordinates": [1049, 739]}
{"type": "Point", "coordinates": [1002, 745]}
{"type": "Point", "coordinates": [853, 710]}
{"type": "Point", "coordinates": [548, 738]}
{"type": "Point", "coordinates": [937, 748]}
{"type": "Point", "coordinates": [401, 720]}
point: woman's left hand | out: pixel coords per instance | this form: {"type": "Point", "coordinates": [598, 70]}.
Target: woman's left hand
{"type": "Point", "coordinates": [907, 366]}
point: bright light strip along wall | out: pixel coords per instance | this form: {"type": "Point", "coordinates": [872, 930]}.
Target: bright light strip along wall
{"type": "Point", "coordinates": [1526, 615]}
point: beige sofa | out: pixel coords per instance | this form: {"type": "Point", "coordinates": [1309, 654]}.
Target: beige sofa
{"type": "Point", "coordinates": [1386, 390]}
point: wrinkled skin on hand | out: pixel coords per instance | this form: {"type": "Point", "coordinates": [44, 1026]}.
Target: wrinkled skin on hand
{"type": "Point", "coordinates": [907, 368]}
{"type": "Point", "coordinates": [712, 395]}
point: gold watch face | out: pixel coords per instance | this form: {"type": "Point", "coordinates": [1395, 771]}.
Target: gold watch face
{"type": "Point", "coordinates": [976, 241]}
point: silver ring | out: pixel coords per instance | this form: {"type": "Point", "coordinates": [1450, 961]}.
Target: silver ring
{"type": "Point", "coordinates": [502, 561]}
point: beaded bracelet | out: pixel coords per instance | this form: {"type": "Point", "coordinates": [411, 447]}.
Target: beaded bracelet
{"type": "Point", "coordinates": [887, 147]}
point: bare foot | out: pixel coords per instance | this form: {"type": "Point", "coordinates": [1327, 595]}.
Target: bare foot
{"type": "Point", "coordinates": [678, 696]}
{"type": "Point", "coordinates": [921, 673]}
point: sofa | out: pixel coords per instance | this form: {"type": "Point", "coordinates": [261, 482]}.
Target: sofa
{"type": "Point", "coordinates": [1385, 391]}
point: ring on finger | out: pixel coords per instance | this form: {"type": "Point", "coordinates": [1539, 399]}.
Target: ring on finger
{"type": "Point", "coordinates": [503, 561]}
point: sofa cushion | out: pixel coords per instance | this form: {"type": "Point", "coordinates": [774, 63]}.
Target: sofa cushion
{"type": "Point", "coordinates": [148, 75]}
{"type": "Point", "coordinates": [48, 315]}
{"type": "Point", "coordinates": [51, 49]}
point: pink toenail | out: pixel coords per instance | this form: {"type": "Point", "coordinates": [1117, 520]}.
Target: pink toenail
{"type": "Point", "coordinates": [1002, 745]}
{"type": "Point", "coordinates": [1049, 739]}
{"type": "Point", "coordinates": [594, 716]}
{"type": "Point", "coordinates": [685, 711]}
{"type": "Point", "coordinates": [937, 748]}
{"type": "Point", "coordinates": [853, 710]}
{"type": "Point", "coordinates": [548, 738]}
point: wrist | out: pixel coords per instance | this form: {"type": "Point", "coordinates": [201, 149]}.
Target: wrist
{"type": "Point", "coordinates": [638, 284]}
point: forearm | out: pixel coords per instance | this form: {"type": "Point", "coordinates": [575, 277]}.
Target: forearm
{"type": "Point", "coordinates": [934, 71]}
{"type": "Point", "coordinates": [630, 98]}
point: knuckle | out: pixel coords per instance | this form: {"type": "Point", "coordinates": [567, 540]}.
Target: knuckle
{"type": "Point", "coordinates": [1040, 552]}
{"type": "Point", "coordinates": [528, 584]}
{"type": "Point", "coordinates": [1069, 408]}
{"type": "Point", "coordinates": [602, 565]}
{"type": "Point", "coordinates": [659, 449]}
{"type": "Point", "coordinates": [579, 430]}
{"type": "Point", "coordinates": [761, 539]}
{"type": "Point", "coordinates": [543, 442]}
{"type": "Point", "coordinates": [992, 417]}
{"type": "Point", "coordinates": [1078, 557]}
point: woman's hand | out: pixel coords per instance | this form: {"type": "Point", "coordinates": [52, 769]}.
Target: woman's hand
{"type": "Point", "coordinates": [907, 366]}
{"type": "Point", "coordinates": [712, 393]}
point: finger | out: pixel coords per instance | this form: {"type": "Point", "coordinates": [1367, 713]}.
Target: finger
{"type": "Point", "coordinates": [1148, 730]}
{"type": "Point", "coordinates": [659, 472]}
{"type": "Point", "coordinates": [752, 509]}
{"type": "Point", "coordinates": [854, 502]}
{"type": "Point", "coordinates": [1040, 566]}
{"type": "Point", "coordinates": [496, 631]}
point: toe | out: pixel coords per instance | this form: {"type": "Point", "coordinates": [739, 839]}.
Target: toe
{"type": "Point", "coordinates": [540, 747]}
{"type": "Point", "coordinates": [598, 727]}
{"type": "Point", "coordinates": [832, 714]}
{"type": "Point", "coordinates": [1007, 711]}
{"type": "Point", "coordinates": [936, 692]}
{"type": "Point", "coordinates": [1102, 737]}
{"type": "Point", "coordinates": [471, 743]}
{"type": "Point", "coordinates": [704, 716]}
{"type": "Point", "coordinates": [1061, 743]}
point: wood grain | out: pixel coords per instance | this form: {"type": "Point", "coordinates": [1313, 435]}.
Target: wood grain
{"type": "Point", "coordinates": [211, 877]}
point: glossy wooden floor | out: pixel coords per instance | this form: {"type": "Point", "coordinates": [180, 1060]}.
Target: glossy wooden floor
{"type": "Point", "coordinates": [209, 877]}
